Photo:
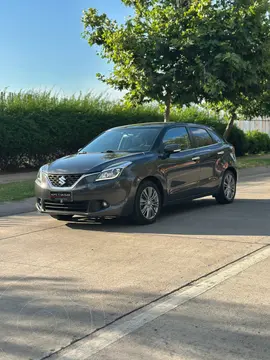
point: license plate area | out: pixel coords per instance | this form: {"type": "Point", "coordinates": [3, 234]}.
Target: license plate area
{"type": "Point", "coordinates": [61, 196]}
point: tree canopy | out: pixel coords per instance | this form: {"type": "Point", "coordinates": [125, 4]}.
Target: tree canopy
{"type": "Point", "coordinates": [182, 52]}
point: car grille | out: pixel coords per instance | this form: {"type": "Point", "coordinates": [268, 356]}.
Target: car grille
{"type": "Point", "coordinates": [76, 206]}
{"type": "Point", "coordinates": [63, 180]}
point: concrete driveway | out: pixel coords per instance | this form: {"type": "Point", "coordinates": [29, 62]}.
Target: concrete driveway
{"type": "Point", "coordinates": [61, 282]}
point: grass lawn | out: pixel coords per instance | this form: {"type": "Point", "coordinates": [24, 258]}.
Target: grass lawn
{"type": "Point", "coordinates": [245, 162]}
{"type": "Point", "coordinates": [17, 190]}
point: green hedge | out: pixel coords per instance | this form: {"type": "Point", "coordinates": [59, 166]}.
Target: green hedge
{"type": "Point", "coordinates": [39, 127]}
{"type": "Point", "coordinates": [36, 128]}
{"type": "Point", "coordinates": [257, 142]}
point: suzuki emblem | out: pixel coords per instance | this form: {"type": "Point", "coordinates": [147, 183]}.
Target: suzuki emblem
{"type": "Point", "coordinates": [62, 180]}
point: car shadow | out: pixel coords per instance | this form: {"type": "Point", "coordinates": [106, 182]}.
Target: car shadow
{"type": "Point", "coordinates": [249, 217]}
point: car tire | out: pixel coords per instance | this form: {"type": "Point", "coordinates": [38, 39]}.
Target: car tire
{"type": "Point", "coordinates": [62, 217]}
{"type": "Point", "coordinates": [227, 190]}
{"type": "Point", "coordinates": [147, 204]}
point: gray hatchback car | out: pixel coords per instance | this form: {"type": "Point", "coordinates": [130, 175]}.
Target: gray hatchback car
{"type": "Point", "coordinates": [135, 170]}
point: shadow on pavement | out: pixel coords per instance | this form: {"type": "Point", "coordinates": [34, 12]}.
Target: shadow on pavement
{"type": "Point", "coordinates": [41, 315]}
{"type": "Point", "coordinates": [248, 217]}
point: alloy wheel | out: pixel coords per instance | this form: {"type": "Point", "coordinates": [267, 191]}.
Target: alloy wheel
{"type": "Point", "coordinates": [149, 203]}
{"type": "Point", "coordinates": [229, 186]}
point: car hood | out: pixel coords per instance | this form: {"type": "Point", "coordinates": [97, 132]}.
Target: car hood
{"type": "Point", "coordinates": [89, 162]}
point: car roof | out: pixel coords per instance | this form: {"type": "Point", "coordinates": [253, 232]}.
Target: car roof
{"type": "Point", "coordinates": [160, 125]}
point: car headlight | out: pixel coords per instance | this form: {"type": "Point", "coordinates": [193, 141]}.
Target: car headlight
{"type": "Point", "coordinates": [41, 172]}
{"type": "Point", "coordinates": [112, 172]}
{"type": "Point", "coordinates": [39, 176]}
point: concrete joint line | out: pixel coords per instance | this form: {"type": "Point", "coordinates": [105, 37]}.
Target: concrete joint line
{"type": "Point", "coordinates": [92, 344]}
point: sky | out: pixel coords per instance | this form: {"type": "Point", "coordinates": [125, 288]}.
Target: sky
{"type": "Point", "coordinates": [42, 47]}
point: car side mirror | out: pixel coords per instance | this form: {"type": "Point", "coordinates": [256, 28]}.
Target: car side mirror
{"type": "Point", "coordinates": [172, 148]}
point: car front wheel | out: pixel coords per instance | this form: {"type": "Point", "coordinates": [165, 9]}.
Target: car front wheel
{"type": "Point", "coordinates": [227, 189]}
{"type": "Point", "coordinates": [147, 204]}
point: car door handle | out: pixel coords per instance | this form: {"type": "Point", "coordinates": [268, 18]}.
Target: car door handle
{"type": "Point", "coordinates": [220, 153]}
{"type": "Point", "coordinates": [197, 158]}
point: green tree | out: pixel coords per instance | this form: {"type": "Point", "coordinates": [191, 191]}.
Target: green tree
{"type": "Point", "coordinates": [235, 53]}
{"type": "Point", "coordinates": [182, 52]}
{"type": "Point", "coordinates": [151, 52]}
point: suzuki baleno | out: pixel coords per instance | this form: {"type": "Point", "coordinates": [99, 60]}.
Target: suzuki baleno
{"type": "Point", "coordinates": [135, 170]}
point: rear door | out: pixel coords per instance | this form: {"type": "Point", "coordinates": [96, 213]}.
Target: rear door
{"type": "Point", "coordinates": [209, 151]}
{"type": "Point", "coordinates": [182, 173]}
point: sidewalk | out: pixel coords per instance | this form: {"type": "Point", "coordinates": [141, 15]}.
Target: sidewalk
{"type": "Point", "coordinates": [28, 205]}
{"type": "Point", "coordinates": [9, 178]}
{"type": "Point", "coordinates": [17, 207]}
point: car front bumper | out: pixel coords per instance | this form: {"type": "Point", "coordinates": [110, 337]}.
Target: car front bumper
{"type": "Point", "coordinates": [88, 199]}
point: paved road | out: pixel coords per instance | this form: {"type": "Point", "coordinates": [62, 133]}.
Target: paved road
{"type": "Point", "coordinates": [61, 282]}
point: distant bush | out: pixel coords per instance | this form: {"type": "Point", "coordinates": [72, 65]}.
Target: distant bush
{"type": "Point", "coordinates": [38, 127]}
{"type": "Point", "coordinates": [258, 142]}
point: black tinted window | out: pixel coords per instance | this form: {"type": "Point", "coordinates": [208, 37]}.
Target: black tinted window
{"type": "Point", "coordinates": [177, 136]}
{"type": "Point", "coordinates": [201, 137]}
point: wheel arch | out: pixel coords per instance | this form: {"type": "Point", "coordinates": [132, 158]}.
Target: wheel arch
{"type": "Point", "coordinates": [158, 183]}
{"type": "Point", "coordinates": [233, 170]}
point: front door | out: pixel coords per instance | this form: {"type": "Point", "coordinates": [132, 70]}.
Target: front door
{"type": "Point", "coordinates": [181, 169]}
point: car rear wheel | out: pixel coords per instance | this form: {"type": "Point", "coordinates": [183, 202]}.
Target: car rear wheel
{"type": "Point", "coordinates": [62, 217]}
{"type": "Point", "coordinates": [227, 189]}
{"type": "Point", "coordinates": [147, 204]}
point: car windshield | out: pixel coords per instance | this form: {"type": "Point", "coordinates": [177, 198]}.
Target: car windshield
{"type": "Point", "coordinates": [124, 139]}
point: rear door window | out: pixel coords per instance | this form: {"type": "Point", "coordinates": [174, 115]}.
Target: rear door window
{"type": "Point", "coordinates": [201, 137]}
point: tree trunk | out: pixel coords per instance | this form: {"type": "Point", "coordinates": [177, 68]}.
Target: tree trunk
{"type": "Point", "coordinates": [167, 108]}
{"type": "Point", "coordinates": [229, 126]}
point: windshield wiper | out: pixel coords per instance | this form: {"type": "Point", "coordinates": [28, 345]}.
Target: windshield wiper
{"type": "Point", "coordinates": [108, 151]}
